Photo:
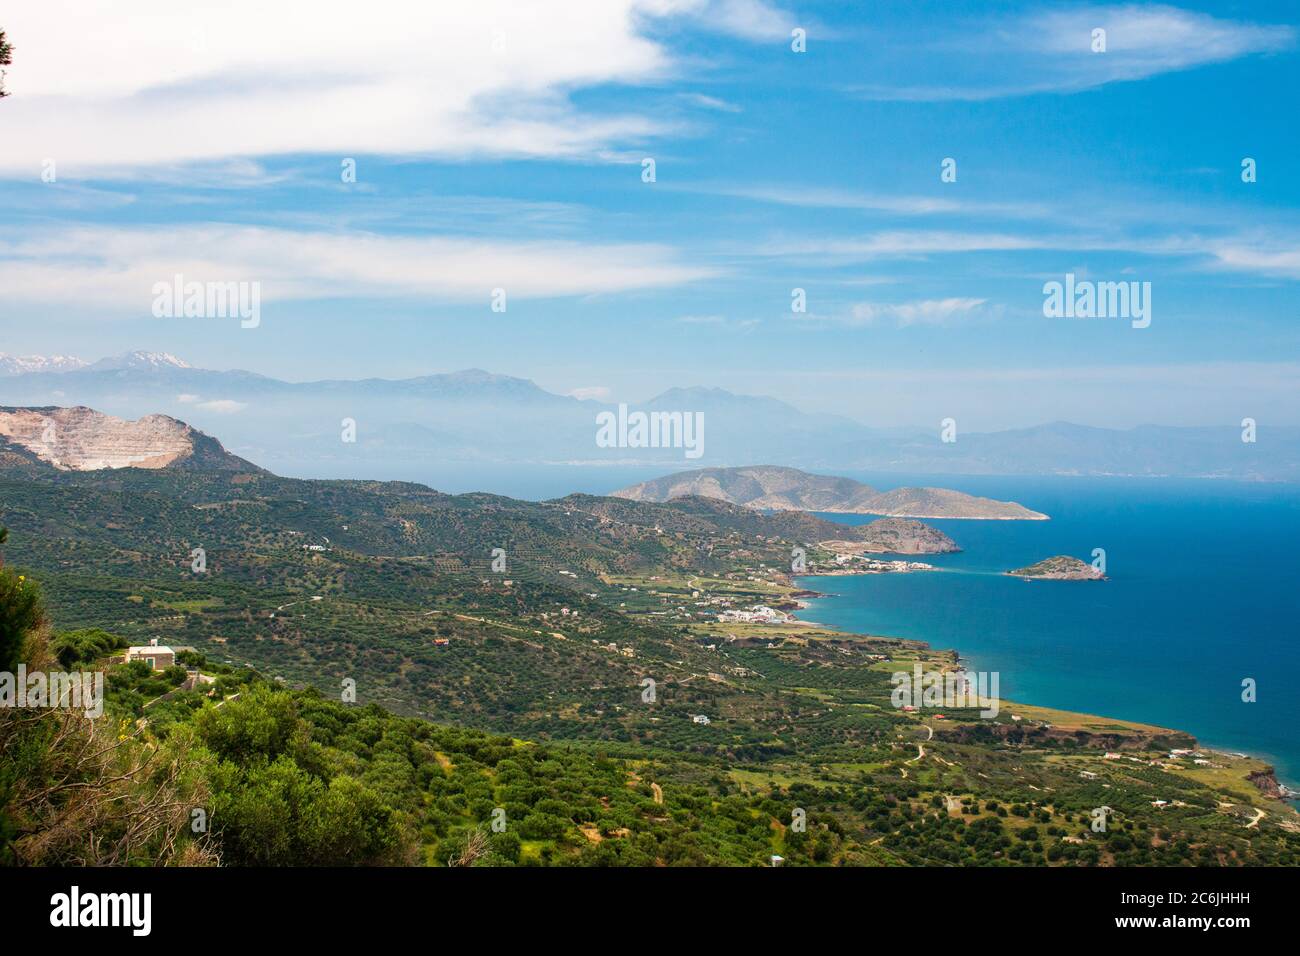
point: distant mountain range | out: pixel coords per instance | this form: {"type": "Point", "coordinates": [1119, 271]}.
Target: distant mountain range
{"type": "Point", "coordinates": [475, 417]}
{"type": "Point", "coordinates": [23, 364]}
{"type": "Point", "coordinates": [768, 487]}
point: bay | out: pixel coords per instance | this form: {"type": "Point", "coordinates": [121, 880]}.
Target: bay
{"type": "Point", "coordinates": [1203, 593]}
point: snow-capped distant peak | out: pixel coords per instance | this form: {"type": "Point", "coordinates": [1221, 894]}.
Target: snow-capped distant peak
{"type": "Point", "coordinates": [23, 364]}
{"type": "Point", "coordinates": [151, 360]}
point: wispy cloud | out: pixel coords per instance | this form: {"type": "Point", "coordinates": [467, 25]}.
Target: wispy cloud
{"type": "Point", "coordinates": [598, 392]}
{"type": "Point", "coordinates": [751, 19]}
{"type": "Point", "coordinates": [815, 197]}
{"type": "Point", "coordinates": [1273, 252]}
{"type": "Point", "coordinates": [1265, 257]}
{"type": "Point", "coordinates": [218, 406]}
{"type": "Point", "coordinates": [102, 266]}
{"type": "Point", "coordinates": [920, 312]}
{"type": "Point", "coordinates": [932, 312]}
{"type": "Point", "coordinates": [719, 322]}
{"type": "Point", "coordinates": [895, 245]}
{"type": "Point", "coordinates": [710, 103]}
{"type": "Point", "coordinates": [1051, 51]}
{"type": "Point", "coordinates": [223, 406]}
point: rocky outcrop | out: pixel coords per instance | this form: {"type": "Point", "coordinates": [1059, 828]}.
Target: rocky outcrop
{"type": "Point", "coordinates": [82, 439]}
{"type": "Point", "coordinates": [894, 536]}
{"type": "Point", "coordinates": [1266, 782]}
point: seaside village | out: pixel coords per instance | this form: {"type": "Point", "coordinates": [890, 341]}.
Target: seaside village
{"type": "Point", "coordinates": [727, 607]}
{"type": "Point", "coordinates": [861, 564]}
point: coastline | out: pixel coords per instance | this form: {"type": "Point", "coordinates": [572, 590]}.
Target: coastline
{"type": "Point", "coordinates": [927, 517]}
{"type": "Point", "coordinates": [1036, 516]}
{"type": "Point", "coordinates": [1289, 793]}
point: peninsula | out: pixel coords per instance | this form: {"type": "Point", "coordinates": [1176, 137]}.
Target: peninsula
{"type": "Point", "coordinates": [772, 488]}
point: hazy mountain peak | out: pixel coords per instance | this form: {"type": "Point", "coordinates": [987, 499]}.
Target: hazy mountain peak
{"type": "Point", "coordinates": [476, 383]}
{"type": "Point", "coordinates": [712, 391]}
{"type": "Point", "coordinates": [702, 393]}
{"type": "Point", "coordinates": [23, 364]}
{"type": "Point", "coordinates": [479, 375]}
{"type": "Point", "coordinates": [140, 359]}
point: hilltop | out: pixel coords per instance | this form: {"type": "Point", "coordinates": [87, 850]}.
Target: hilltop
{"type": "Point", "coordinates": [946, 503]}
{"type": "Point", "coordinates": [773, 488]}
{"type": "Point", "coordinates": [82, 439]}
{"type": "Point", "coordinates": [897, 536]}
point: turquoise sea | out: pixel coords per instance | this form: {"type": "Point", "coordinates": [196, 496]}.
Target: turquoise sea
{"type": "Point", "coordinates": [1203, 592]}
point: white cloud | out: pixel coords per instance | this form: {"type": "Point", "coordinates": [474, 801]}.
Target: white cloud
{"type": "Point", "coordinates": [599, 392]}
{"type": "Point", "coordinates": [1050, 51]}
{"type": "Point", "coordinates": [185, 398]}
{"type": "Point", "coordinates": [96, 265]}
{"type": "Point", "coordinates": [919, 312]}
{"type": "Point", "coordinates": [753, 19]}
{"type": "Point", "coordinates": [899, 245]}
{"type": "Point", "coordinates": [223, 406]}
{"type": "Point", "coordinates": [1146, 39]}
{"type": "Point", "coordinates": [146, 86]}
{"type": "Point", "coordinates": [710, 103]}
{"type": "Point", "coordinates": [1283, 262]}
{"type": "Point", "coordinates": [816, 197]}
{"type": "Point", "coordinates": [1268, 252]}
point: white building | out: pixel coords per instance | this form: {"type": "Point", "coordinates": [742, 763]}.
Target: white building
{"type": "Point", "coordinates": [158, 657]}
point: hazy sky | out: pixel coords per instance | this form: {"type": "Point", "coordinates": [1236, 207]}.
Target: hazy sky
{"type": "Point", "coordinates": [501, 145]}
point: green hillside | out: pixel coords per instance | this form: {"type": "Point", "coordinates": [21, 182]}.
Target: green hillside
{"type": "Point", "coordinates": [524, 690]}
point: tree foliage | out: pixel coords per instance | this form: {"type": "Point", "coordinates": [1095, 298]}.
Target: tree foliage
{"type": "Point", "coordinates": [20, 613]}
{"type": "Point", "coordinates": [6, 58]}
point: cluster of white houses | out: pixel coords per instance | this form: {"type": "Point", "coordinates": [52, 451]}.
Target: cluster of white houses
{"type": "Point", "coordinates": [759, 614]}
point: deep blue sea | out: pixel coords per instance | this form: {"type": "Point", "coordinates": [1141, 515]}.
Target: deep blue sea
{"type": "Point", "coordinates": [1203, 592]}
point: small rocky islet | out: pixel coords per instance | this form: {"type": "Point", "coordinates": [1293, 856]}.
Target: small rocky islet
{"type": "Point", "coordinates": [1060, 567]}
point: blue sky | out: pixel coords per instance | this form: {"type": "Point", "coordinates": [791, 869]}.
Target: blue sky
{"type": "Point", "coordinates": [502, 147]}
